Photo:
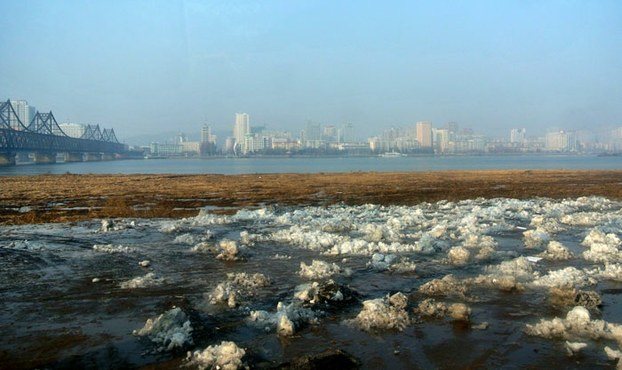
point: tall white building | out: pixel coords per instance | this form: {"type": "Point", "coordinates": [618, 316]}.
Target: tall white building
{"type": "Point", "coordinates": [206, 135]}
{"type": "Point", "coordinates": [241, 127]}
{"type": "Point", "coordinates": [563, 141]}
{"type": "Point", "coordinates": [72, 129]}
{"type": "Point", "coordinates": [517, 135]}
{"type": "Point", "coordinates": [24, 112]}
{"type": "Point", "coordinates": [424, 134]}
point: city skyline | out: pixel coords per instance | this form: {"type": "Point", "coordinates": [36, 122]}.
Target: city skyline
{"type": "Point", "coordinates": [148, 66]}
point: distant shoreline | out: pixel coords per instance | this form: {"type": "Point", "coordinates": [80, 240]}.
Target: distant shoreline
{"type": "Point", "coordinates": [69, 197]}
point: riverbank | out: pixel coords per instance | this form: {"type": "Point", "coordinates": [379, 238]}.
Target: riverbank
{"type": "Point", "coordinates": [69, 197]}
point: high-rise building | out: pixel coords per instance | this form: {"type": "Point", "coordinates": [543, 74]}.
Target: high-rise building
{"type": "Point", "coordinates": [424, 134]}
{"type": "Point", "coordinates": [72, 129]}
{"type": "Point", "coordinates": [206, 135]}
{"type": "Point", "coordinates": [563, 141]}
{"type": "Point", "coordinates": [241, 127]}
{"type": "Point", "coordinates": [517, 135]}
{"type": "Point", "coordinates": [23, 111]}
{"type": "Point", "coordinates": [346, 133]}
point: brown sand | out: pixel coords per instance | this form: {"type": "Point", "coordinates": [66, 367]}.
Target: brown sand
{"type": "Point", "coordinates": [58, 198]}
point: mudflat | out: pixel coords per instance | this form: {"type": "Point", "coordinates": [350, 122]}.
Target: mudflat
{"type": "Point", "coordinates": [70, 197]}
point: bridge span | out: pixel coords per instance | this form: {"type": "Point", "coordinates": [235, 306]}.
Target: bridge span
{"type": "Point", "coordinates": [45, 139]}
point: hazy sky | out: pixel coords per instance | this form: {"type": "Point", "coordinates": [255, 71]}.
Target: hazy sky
{"type": "Point", "coordinates": [152, 66]}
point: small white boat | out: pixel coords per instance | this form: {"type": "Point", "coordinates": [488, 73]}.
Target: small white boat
{"type": "Point", "coordinates": [391, 155]}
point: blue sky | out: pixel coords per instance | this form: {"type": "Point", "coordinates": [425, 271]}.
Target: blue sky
{"type": "Point", "coordinates": [152, 66]}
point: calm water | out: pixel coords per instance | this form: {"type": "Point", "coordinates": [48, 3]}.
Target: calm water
{"type": "Point", "coordinates": [231, 166]}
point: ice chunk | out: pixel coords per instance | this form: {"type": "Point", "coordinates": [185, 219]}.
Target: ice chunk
{"type": "Point", "coordinates": [229, 250]}
{"type": "Point", "coordinates": [318, 270]}
{"type": "Point", "coordinates": [568, 296]}
{"type": "Point", "coordinates": [574, 347]}
{"type": "Point", "coordinates": [602, 247]}
{"type": "Point", "coordinates": [225, 356]}
{"type": "Point", "coordinates": [458, 256]}
{"type": "Point", "coordinates": [566, 277]}
{"type": "Point", "coordinates": [391, 262]}
{"type": "Point", "coordinates": [556, 251]}
{"type": "Point", "coordinates": [459, 312]}
{"type": "Point", "coordinates": [146, 281]}
{"type": "Point", "coordinates": [169, 331]}
{"type": "Point", "coordinates": [613, 354]}
{"type": "Point", "coordinates": [387, 313]}
{"type": "Point", "coordinates": [286, 320]}
{"type": "Point", "coordinates": [237, 286]}
{"type": "Point", "coordinates": [576, 325]}
{"type": "Point", "coordinates": [144, 263]}
{"type": "Point", "coordinates": [204, 247]}
{"type": "Point", "coordinates": [110, 248]}
{"type": "Point", "coordinates": [535, 238]}
{"type": "Point", "coordinates": [446, 286]}
{"type": "Point", "coordinates": [431, 308]}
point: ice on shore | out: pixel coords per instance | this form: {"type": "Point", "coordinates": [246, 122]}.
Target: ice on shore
{"type": "Point", "coordinates": [387, 313]}
{"type": "Point", "coordinates": [225, 356]}
{"type": "Point", "coordinates": [171, 330]}
{"type": "Point", "coordinates": [146, 281]}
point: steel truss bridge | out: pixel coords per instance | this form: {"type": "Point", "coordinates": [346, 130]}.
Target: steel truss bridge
{"type": "Point", "coordinates": [44, 137]}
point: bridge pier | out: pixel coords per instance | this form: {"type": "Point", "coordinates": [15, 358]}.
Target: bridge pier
{"type": "Point", "coordinates": [7, 159]}
{"type": "Point", "coordinates": [45, 157]}
{"type": "Point", "coordinates": [73, 157]}
{"type": "Point", "coordinates": [93, 157]}
{"type": "Point", "coordinates": [107, 157]}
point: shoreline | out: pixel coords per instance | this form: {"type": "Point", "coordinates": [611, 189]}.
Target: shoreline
{"type": "Point", "coordinates": [71, 197]}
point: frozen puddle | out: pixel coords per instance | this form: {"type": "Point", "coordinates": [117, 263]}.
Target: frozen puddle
{"type": "Point", "coordinates": [486, 283]}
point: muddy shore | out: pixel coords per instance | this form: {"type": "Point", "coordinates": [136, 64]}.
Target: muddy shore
{"type": "Point", "coordinates": [69, 197]}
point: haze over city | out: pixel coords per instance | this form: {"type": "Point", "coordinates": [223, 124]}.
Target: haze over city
{"type": "Point", "coordinates": [156, 66]}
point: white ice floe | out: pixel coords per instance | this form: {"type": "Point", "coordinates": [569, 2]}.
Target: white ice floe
{"type": "Point", "coordinates": [535, 238]}
{"type": "Point", "coordinates": [229, 250]}
{"type": "Point", "coordinates": [318, 270]}
{"type": "Point", "coordinates": [566, 277]}
{"type": "Point", "coordinates": [429, 307]}
{"type": "Point", "coordinates": [458, 256]}
{"type": "Point", "coordinates": [575, 347]}
{"type": "Point", "coordinates": [387, 313]}
{"type": "Point", "coordinates": [111, 248]}
{"type": "Point", "coordinates": [171, 330]}
{"type": "Point", "coordinates": [146, 281]}
{"type": "Point", "coordinates": [391, 262]}
{"type": "Point", "coordinates": [116, 225]}
{"type": "Point", "coordinates": [448, 285]}
{"type": "Point", "coordinates": [144, 263]}
{"type": "Point", "coordinates": [287, 318]}
{"type": "Point", "coordinates": [225, 356]}
{"type": "Point", "coordinates": [577, 325]}
{"type": "Point", "coordinates": [602, 247]}
{"type": "Point", "coordinates": [556, 251]}
{"type": "Point", "coordinates": [237, 287]}
{"type": "Point", "coordinates": [611, 271]}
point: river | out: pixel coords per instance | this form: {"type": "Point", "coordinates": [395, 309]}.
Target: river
{"type": "Point", "coordinates": [233, 166]}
